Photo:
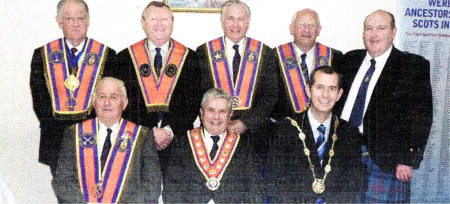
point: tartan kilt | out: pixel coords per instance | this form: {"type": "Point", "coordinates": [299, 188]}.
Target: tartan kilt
{"type": "Point", "coordinates": [382, 187]}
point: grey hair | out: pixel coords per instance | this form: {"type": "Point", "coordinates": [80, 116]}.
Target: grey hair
{"type": "Point", "coordinates": [217, 93]}
{"type": "Point", "coordinates": [157, 4]}
{"type": "Point", "coordinates": [316, 15]}
{"type": "Point", "coordinates": [234, 2]}
{"type": "Point", "coordinates": [114, 80]}
{"type": "Point", "coordinates": [61, 3]}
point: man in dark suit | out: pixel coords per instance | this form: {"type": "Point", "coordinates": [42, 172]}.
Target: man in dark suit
{"type": "Point", "coordinates": [243, 67]}
{"type": "Point", "coordinates": [60, 95]}
{"type": "Point", "coordinates": [211, 163]}
{"type": "Point", "coordinates": [108, 159]}
{"type": "Point", "coordinates": [161, 78]}
{"type": "Point", "coordinates": [315, 156]}
{"type": "Point", "coordinates": [388, 96]}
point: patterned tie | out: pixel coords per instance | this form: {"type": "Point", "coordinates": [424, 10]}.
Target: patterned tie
{"type": "Point", "coordinates": [158, 61]}
{"type": "Point", "coordinates": [358, 108]}
{"type": "Point", "coordinates": [106, 147]}
{"type": "Point", "coordinates": [74, 69]}
{"type": "Point", "coordinates": [304, 67]}
{"type": "Point", "coordinates": [215, 147]}
{"type": "Point", "coordinates": [236, 61]}
{"type": "Point", "coordinates": [321, 142]}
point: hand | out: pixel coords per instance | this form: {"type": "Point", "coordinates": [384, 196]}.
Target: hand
{"type": "Point", "coordinates": [163, 138]}
{"type": "Point", "coordinates": [237, 126]}
{"type": "Point", "coordinates": [403, 172]}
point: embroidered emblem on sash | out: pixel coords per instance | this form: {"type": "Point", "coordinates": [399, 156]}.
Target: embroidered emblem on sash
{"type": "Point", "coordinates": [91, 59]}
{"type": "Point", "coordinates": [323, 56]}
{"type": "Point", "coordinates": [291, 63]}
{"type": "Point", "coordinates": [88, 140]}
{"type": "Point", "coordinates": [218, 55]}
{"type": "Point", "coordinates": [144, 69]}
{"type": "Point", "coordinates": [171, 70]}
{"type": "Point", "coordinates": [56, 57]}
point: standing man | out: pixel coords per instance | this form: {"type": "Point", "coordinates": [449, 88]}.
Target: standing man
{"type": "Point", "coordinates": [108, 159]}
{"type": "Point", "coordinates": [63, 74]}
{"type": "Point", "coordinates": [212, 164]}
{"type": "Point", "coordinates": [161, 78]}
{"type": "Point", "coordinates": [298, 59]}
{"type": "Point", "coordinates": [315, 156]}
{"type": "Point", "coordinates": [243, 67]}
{"type": "Point", "coordinates": [388, 96]}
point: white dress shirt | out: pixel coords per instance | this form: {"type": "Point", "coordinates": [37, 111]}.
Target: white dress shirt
{"type": "Point", "coordinates": [102, 133]}
{"type": "Point", "coordinates": [79, 49]}
{"type": "Point", "coordinates": [164, 51]}
{"type": "Point", "coordinates": [209, 142]}
{"type": "Point", "coordinates": [315, 124]}
{"type": "Point", "coordinates": [310, 55]}
{"type": "Point", "coordinates": [380, 61]}
{"type": "Point", "coordinates": [230, 51]}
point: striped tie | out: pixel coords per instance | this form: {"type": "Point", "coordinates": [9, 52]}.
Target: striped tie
{"type": "Point", "coordinates": [321, 142]}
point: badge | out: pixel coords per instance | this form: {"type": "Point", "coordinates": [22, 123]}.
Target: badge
{"type": "Point", "coordinates": [218, 56]}
{"type": "Point", "coordinates": [98, 190]}
{"type": "Point", "coordinates": [71, 83]}
{"type": "Point", "coordinates": [213, 184]}
{"type": "Point", "coordinates": [70, 103]}
{"type": "Point", "coordinates": [251, 56]}
{"type": "Point", "coordinates": [321, 61]}
{"type": "Point", "coordinates": [124, 143]}
{"type": "Point", "coordinates": [144, 69]}
{"type": "Point", "coordinates": [236, 101]}
{"type": "Point", "coordinates": [318, 186]}
{"type": "Point", "coordinates": [290, 63]}
{"type": "Point", "coordinates": [91, 59]}
{"type": "Point", "coordinates": [56, 56]}
{"type": "Point", "coordinates": [87, 140]}
{"type": "Point", "coordinates": [171, 70]}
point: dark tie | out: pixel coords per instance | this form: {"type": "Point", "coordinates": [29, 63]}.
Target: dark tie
{"type": "Point", "coordinates": [304, 67]}
{"type": "Point", "coordinates": [158, 61]}
{"type": "Point", "coordinates": [74, 69]}
{"type": "Point", "coordinates": [215, 147]}
{"type": "Point", "coordinates": [106, 147]}
{"type": "Point", "coordinates": [358, 108]}
{"type": "Point", "coordinates": [236, 61]}
{"type": "Point", "coordinates": [321, 142]}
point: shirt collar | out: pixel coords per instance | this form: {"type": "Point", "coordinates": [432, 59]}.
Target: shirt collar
{"type": "Point", "coordinates": [229, 44]}
{"type": "Point", "coordinates": [315, 123]}
{"type": "Point", "coordinates": [208, 135]}
{"type": "Point", "coordinates": [381, 58]}
{"type": "Point", "coordinates": [79, 47]}
{"type": "Point", "coordinates": [152, 46]}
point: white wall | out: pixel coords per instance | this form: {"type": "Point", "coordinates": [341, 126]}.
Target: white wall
{"type": "Point", "coordinates": [27, 25]}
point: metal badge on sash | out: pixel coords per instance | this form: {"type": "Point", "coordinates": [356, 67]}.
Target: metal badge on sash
{"type": "Point", "coordinates": [213, 184]}
{"type": "Point", "coordinates": [98, 190]}
{"type": "Point", "coordinates": [87, 140]}
{"type": "Point", "coordinates": [251, 56]}
{"type": "Point", "coordinates": [124, 143]}
{"type": "Point", "coordinates": [171, 70]}
{"type": "Point", "coordinates": [291, 63]}
{"type": "Point", "coordinates": [236, 101]}
{"type": "Point", "coordinates": [318, 186]}
{"type": "Point", "coordinates": [91, 59]}
{"type": "Point", "coordinates": [218, 55]}
{"type": "Point", "coordinates": [56, 56]}
{"type": "Point", "coordinates": [321, 61]}
{"type": "Point", "coordinates": [144, 69]}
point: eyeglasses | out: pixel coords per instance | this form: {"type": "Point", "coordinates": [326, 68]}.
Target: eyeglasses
{"type": "Point", "coordinates": [306, 25]}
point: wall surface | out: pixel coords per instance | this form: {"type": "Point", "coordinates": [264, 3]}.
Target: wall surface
{"type": "Point", "coordinates": [27, 25]}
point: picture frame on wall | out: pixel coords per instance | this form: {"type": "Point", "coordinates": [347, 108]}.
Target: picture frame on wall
{"type": "Point", "coordinates": [201, 6]}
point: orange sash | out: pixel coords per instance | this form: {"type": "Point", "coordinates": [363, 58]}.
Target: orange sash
{"type": "Point", "coordinates": [244, 88]}
{"type": "Point", "coordinates": [212, 168]}
{"type": "Point", "coordinates": [106, 186]}
{"type": "Point", "coordinates": [74, 104]}
{"type": "Point", "coordinates": [157, 91]}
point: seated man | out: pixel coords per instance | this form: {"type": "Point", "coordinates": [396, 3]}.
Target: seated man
{"type": "Point", "coordinates": [211, 163]}
{"type": "Point", "coordinates": [315, 156]}
{"type": "Point", "coordinates": [108, 159]}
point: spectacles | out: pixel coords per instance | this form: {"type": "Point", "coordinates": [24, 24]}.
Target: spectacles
{"type": "Point", "coordinates": [306, 25]}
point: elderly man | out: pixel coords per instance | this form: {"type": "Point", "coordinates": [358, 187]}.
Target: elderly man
{"type": "Point", "coordinates": [388, 96]}
{"type": "Point", "coordinates": [162, 79]}
{"type": "Point", "coordinates": [298, 59]}
{"type": "Point", "coordinates": [211, 163]}
{"type": "Point", "coordinates": [315, 156]}
{"type": "Point", "coordinates": [63, 73]}
{"type": "Point", "coordinates": [108, 159]}
{"type": "Point", "coordinates": [243, 67]}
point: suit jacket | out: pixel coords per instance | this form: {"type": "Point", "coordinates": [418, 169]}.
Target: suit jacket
{"type": "Point", "coordinates": [52, 128]}
{"type": "Point", "coordinates": [283, 106]}
{"type": "Point", "coordinates": [144, 178]}
{"type": "Point", "coordinates": [185, 183]}
{"type": "Point", "coordinates": [398, 118]}
{"type": "Point", "coordinates": [287, 176]}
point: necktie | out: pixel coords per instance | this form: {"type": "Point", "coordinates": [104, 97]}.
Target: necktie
{"type": "Point", "coordinates": [358, 108]}
{"type": "Point", "coordinates": [215, 147]}
{"type": "Point", "coordinates": [236, 61]}
{"type": "Point", "coordinates": [321, 142]}
{"type": "Point", "coordinates": [304, 67]}
{"type": "Point", "coordinates": [158, 61]}
{"type": "Point", "coordinates": [74, 69]}
{"type": "Point", "coordinates": [106, 147]}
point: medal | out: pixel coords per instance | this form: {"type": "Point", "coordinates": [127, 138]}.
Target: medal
{"type": "Point", "coordinates": [98, 190]}
{"type": "Point", "coordinates": [236, 101]}
{"type": "Point", "coordinates": [318, 186]}
{"type": "Point", "coordinates": [144, 69]}
{"type": "Point", "coordinates": [71, 82]}
{"type": "Point", "coordinates": [213, 184]}
{"type": "Point", "coordinates": [70, 103]}
{"type": "Point", "coordinates": [171, 70]}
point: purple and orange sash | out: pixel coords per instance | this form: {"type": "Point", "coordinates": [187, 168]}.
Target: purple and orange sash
{"type": "Point", "coordinates": [106, 186]}
{"type": "Point", "coordinates": [157, 91]}
{"type": "Point", "coordinates": [212, 168]}
{"type": "Point", "coordinates": [244, 88]}
{"type": "Point", "coordinates": [293, 76]}
{"type": "Point", "coordinates": [57, 71]}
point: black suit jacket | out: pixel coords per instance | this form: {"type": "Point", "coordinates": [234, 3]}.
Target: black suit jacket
{"type": "Point", "coordinates": [398, 118]}
{"type": "Point", "coordinates": [186, 184]}
{"type": "Point", "coordinates": [52, 128]}
{"type": "Point", "coordinates": [287, 176]}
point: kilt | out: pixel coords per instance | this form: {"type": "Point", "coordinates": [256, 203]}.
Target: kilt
{"type": "Point", "coordinates": [382, 187]}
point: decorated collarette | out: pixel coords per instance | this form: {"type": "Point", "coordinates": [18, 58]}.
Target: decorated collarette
{"type": "Point", "coordinates": [242, 91]}
{"type": "Point", "coordinates": [318, 185]}
{"type": "Point", "coordinates": [323, 56]}
{"type": "Point", "coordinates": [106, 186]}
{"type": "Point", "coordinates": [212, 168]}
{"type": "Point", "coordinates": [157, 90]}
